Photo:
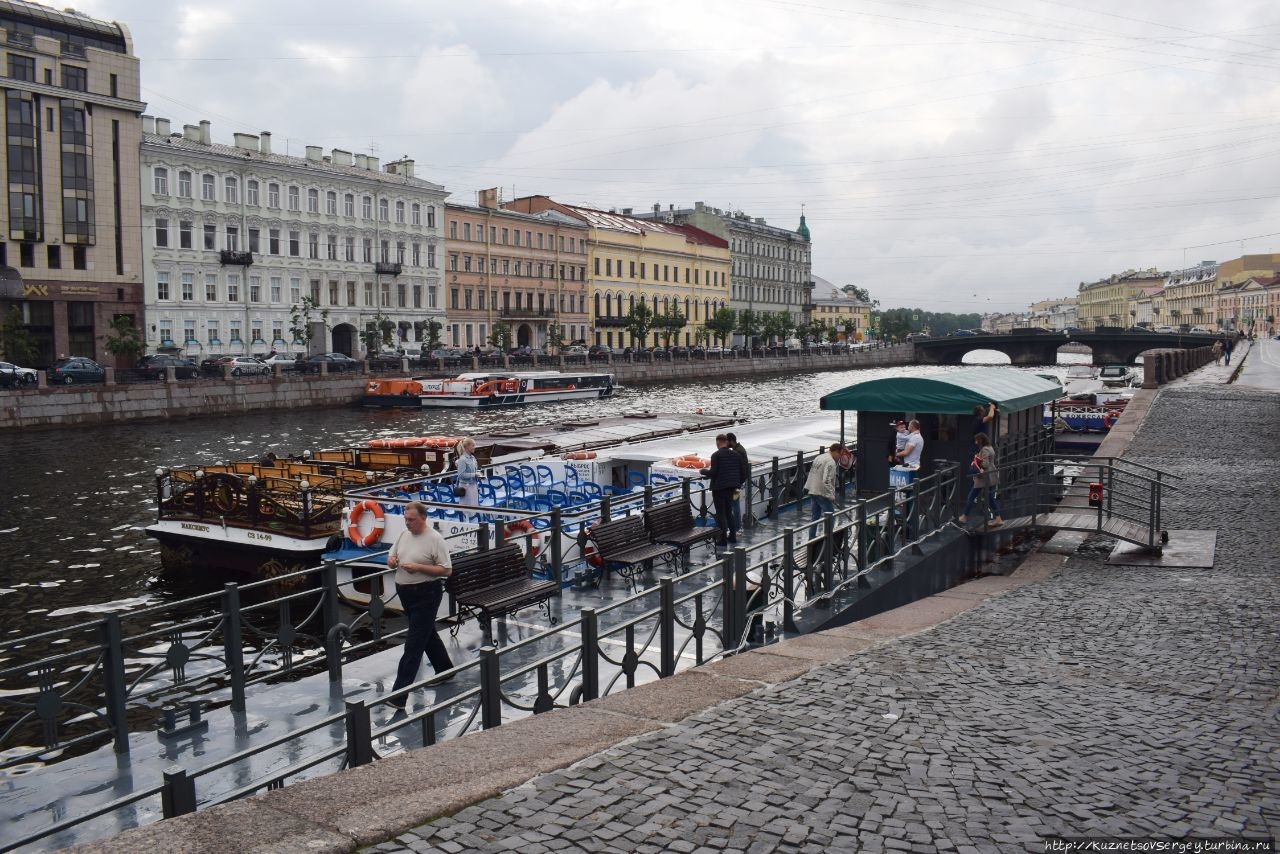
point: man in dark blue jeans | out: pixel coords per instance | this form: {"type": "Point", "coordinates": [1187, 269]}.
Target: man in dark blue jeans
{"type": "Point", "coordinates": [421, 561]}
{"type": "Point", "coordinates": [726, 479]}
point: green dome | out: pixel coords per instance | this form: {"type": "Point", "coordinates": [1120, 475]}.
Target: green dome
{"type": "Point", "coordinates": [803, 230]}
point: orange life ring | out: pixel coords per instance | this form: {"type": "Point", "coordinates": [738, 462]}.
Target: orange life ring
{"type": "Point", "coordinates": [580, 455]}
{"type": "Point", "coordinates": [379, 523]}
{"type": "Point", "coordinates": [510, 387]}
{"type": "Point", "coordinates": [438, 441]}
{"type": "Point", "coordinates": [690, 463]}
{"type": "Point", "coordinates": [591, 556]}
{"type": "Point", "coordinates": [1108, 420]}
{"type": "Point", "coordinates": [379, 443]}
{"type": "Point", "coordinates": [523, 526]}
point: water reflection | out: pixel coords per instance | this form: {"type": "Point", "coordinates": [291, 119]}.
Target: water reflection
{"type": "Point", "coordinates": [72, 545]}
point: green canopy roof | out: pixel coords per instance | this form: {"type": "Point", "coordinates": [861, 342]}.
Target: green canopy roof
{"type": "Point", "coordinates": [947, 394]}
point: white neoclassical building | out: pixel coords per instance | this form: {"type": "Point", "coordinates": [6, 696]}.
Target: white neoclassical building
{"type": "Point", "coordinates": [235, 236]}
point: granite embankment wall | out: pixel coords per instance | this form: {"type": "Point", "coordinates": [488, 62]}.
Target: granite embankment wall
{"type": "Point", "coordinates": [121, 403]}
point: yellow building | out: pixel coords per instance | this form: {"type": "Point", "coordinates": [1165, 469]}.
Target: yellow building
{"type": "Point", "coordinates": [1239, 301]}
{"type": "Point", "coordinates": [668, 267]}
{"type": "Point", "coordinates": [1107, 302]}
{"type": "Point", "coordinates": [851, 318]}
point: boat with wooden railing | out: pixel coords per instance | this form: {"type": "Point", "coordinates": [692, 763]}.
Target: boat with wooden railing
{"type": "Point", "coordinates": [483, 390]}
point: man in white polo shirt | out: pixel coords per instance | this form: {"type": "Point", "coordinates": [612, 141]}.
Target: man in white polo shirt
{"type": "Point", "coordinates": [910, 455]}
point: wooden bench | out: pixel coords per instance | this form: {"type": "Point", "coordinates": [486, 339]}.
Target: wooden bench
{"type": "Point", "coordinates": [672, 523]}
{"type": "Point", "coordinates": [496, 583]}
{"type": "Point", "coordinates": [625, 547]}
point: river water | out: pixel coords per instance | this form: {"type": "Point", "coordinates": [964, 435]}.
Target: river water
{"type": "Point", "coordinates": [72, 546]}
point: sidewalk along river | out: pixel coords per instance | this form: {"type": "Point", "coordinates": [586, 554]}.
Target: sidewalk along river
{"type": "Point", "coordinates": [72, 547]}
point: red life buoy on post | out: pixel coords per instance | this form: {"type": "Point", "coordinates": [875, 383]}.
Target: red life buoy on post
{"type": "Point", "coordinates": [379, 523]}
{"type": "Point", "coordinates": [1109, 419]}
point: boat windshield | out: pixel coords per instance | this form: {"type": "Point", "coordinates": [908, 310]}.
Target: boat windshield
{"type": "Point", "coordinates": [1114, 371]}
{"type": "Point", "coordinates": [1081, 372]}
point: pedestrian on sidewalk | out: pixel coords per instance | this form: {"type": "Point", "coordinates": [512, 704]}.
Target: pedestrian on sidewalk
{"type": "Point", "coordinates": [420, 558]}
{"type": "Point", "coordinates": [985, 479]}
{"type": "Point", "coordinates": [1217, 352]}
{"type": "Point", "coordinates": [1227, 347]}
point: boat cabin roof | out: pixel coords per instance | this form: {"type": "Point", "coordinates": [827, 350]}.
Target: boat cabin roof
{"type": "Point", "coordinates": [947, 394]}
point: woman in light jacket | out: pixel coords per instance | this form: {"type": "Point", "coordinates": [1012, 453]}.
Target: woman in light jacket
{"type": "Point", "coordinates": [985, 477]}
{"type": "Point", "coordinates": [467, 468]}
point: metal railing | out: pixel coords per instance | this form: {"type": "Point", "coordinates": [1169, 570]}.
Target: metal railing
{"type": "Point", "coordinates": [1106, 490]}
{"type": "Point", "coordinates": [252, 636]}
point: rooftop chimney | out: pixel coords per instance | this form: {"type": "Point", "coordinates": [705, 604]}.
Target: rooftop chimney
{"type": "Point", "coordinates": [205, 136]}
{"type": "Point", "coordinates": [148, 123]}
{"type": "Point", "coordinates": [191, 132]}
{"type": "Point", "coordinates": [657, 208]}
{"type": "Point", "coordinates": [403, 166]}
{"type": "Point", "coordinates": [162, 127]}
{"type": "Point", "coordinates": [315, 153]}
{"type": "Point", "coordinates": [488, 198]}
{"type": "Point", "coordinates": [264, 142]}
{"type": "Point", "coordinates": [626, 211]}
{"type": "Point", "coordinates": [373, 164]}
{"type": "Point", "coordinates": [246, 141]}
{"type": "Point", "coordinates": [362, 161]}
{"type": "Point", "coordinates": [341, 158]}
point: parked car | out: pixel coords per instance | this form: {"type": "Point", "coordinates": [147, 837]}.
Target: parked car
{"type": "Point", "coordinates": [337, 362]}
{"type": "Point", "coordinates": [1200, 330]}
{"type": "Point", "coordinates": [77, 369]}
{"type": "Point", "coordinates": [1137, 329]}
{"type": "Point", "coordinates": [445, 353]}
{"type": "Point", "coordinates": [960, 333]}
{"type": "Point", "coordinates": [575, 350]}
{"type": "Point", "coordinates": [289, 362]}
{"type": "Point", "coordinates": [386, 360]}
{"type": "Point", "coordinates": [1165, 330]}
{"type": "Point", "coordinates": [12, 375]}
{"type": "Point", "coordinates": [212, 366]}
{"type": "Point", "coordinates": [154, 367]}
{"type": "Point", "coordinates": [247, 366]}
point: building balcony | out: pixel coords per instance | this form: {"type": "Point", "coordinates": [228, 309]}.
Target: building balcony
{"type": "Point", "coordinates": [390, 268]}
{"type": "Point", "coordinates": [527, 313]}
{"type": "Point", "coordinates": [235, 257]}
{"type": "Point", "coordinates": [619, 322]}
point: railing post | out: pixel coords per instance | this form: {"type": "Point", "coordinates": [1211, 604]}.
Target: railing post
{"type": "Point", "coordinates": [748, 517]}
{"type": "Point", "coordinates": [604, 508]}
{"type": "Point", "coordinates": [490, 689]}
{"type": "Point", "coordinates": [648, 495]}
{"type": "Point", "coordinates": [685, 492]}
{"type": "Point", "coordinates": [788, 579]}
{"type": "Point", "coordinates": [590, 655]}
{"type": "Point", "coordinates": [775, 475]}
{"type": "Point", "coordinates": [233, 644]}
{"type": "Point", "coordinates": [482, 537]}
{"type": "Point", "coordinates": [728, 613]}
{"type": "Point", "coordinates": [114, 686]}
{"type": "Point", "coordinates": [860, 519]}
{"type": "Point", "coordinates": [557, 553]}
{"type": "Point", "coordinates": [667, 626]}
{"type": "Point", "coordinates": [178, 797]}
{"type": "Point", "coordinates": [740, 593]}
{"type": "Point", "coordinates": [828, 551]}
{"type": "Point", "coordinates": [359, 734]}
{"type": "Point", "coordinates": [333, 628]}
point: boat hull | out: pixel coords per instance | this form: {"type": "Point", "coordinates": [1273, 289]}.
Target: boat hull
{"type": "Point", "coordinates": [192, 546]}
{"type": "Point", "coordinates": [493, 401]}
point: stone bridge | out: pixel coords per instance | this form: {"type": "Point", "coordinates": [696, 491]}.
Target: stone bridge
{"type": "Point", "coordinates": [1028, 347]}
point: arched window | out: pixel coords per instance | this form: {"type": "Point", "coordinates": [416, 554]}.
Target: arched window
{"type": "Point", "coordinates": [161, 175]}
{"type": "Point", "coordinates": [384, 210]}
{"type": "Point", "coordinates": [631, 302]}
{"type": "Point", "coordinates": [313, 201]}
{"type": "Point", "coordinates": [400, 212]}
{"type": "Point", "coordinates": [331, 203]}
{"type": "Point", "coordinates": [415, 214]}
{"type": "Point", "coordinates": [598, 305]}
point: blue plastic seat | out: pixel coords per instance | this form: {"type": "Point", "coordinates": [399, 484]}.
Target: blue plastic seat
{"type": "Point", "coordinates": [515, 502]}
{"type": "Point", "coordinates": [636, 478]}
{"type": "Point", "coordinates": [546, 478]}
{"type": "Point", "coordinates": [591, 490]}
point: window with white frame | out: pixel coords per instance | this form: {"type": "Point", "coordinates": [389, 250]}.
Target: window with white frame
{"type": "Point", "coordinates": [295, 199]}
{"type": "Point", "coordinates": [276, 282]}
{"type": "Point", "coordinates": [366, 207]}
{"type": "Point", "coordinates": [233, 238]}
{"type": "Point", "coordinates": [368, 293]}
{"type": "Point", "coordinates": [189, 332]}
{"type": "Point", "coordinates": [166, 332]}
{"type": "Point", "coordinates": [255, 331]}
{"type": "Point", "coordinates": [350, 253]}
{"type": "Point", "coordinates": [349, 205]}
{"type": "Point", "coordinates": [188, 287]}
{"type": "Point", "coordinates": [431, 217]}
{"type": "Point", "coordinates": [254, 240]}
{"type": "Point", "coordinates": [417, 254]}
{"type": "Point", "coordinates": [313, 245]}
{"type": "Point", "coordinates": [295, 244]}
{"type": "Point", "coordinates": [208, 190]}
{"type": "Point", "coordinates": [184, 234]}
{"type": "Point", "coordinates": [313, 201]}
{"type": "Point", "coordinates": [233, 287]}
{"type": "Point", "coordinates": [160, 177]}
{"type": "Point", "coordinates": [385, 253]}
{"type": "Point", "coordinates": [431, 255]}
{"type": "Point", "coordinates": [295, 289]}
{"type": "Point", "coordinates": [231, 187]}
{"type": "Point", "coordinates": [332, 247]}
{"type": "Point", "coordinates": [399, 211]}
{"type": "Point", "coordinates": [367, 246]}
{"type": "Point", "coordinates": [235, 332]}
{"type": "Point", "coordinates": [251, 193]}
{"type": "Point", "coordinates": [415, 214]}
{"type": "Point", "coordinates": [331, 203]}
{"type": "Point", "coordinates": [184, 184]}
{"type": "Point", "coordinates": [384, 210]}
{"type": "Point", "coordinates": [351, 293]}
{"type": "Point", "coordinates": [255, 289]}
{"type": "Point", "coordinates": [210, 287]}
{"type": "Point", "coordinates": [212, 332]}
{"type": "Point", "coordinates": [273, 195]}
{"type": "Point", "coordinates": [162, 233]}
{"type": "Point", "coordinates": [277, 332]}
{"type": "Point", "coordinates": [162, 285]}
{"type": "Point", "coordinates": [400, 252]}
{"type": "Point", "coordinates": [273, 241]}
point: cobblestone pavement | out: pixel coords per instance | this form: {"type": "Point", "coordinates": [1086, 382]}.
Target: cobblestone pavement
{"type": "Point", "coordinates": [1105, 700]}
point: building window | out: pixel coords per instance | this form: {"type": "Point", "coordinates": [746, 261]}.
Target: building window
{"type": "Point", "coordinates": [368, 293]}
{"type": "Point", "coordinates": [295, 290]}
{"type": "Point", "coordinates": [188, 287]}
{"type": "Point", "coordinates": [210, 236]}
{"type": "Point", "coordinates": [210, 287]}
{"type": "Point", "coordinates": [415, 214]}
{"type": "Point", "coordinates": [233, 238]}
{"type": "Point", "coordinates": [251, 193]}
{"type": "Point", "coordinates": [384, 210]}
{"type": "Point", "coordinates": [273, 195]}
{"type": "Point", "coordinates": [162, 286]}
{"type": "Point", "coordinates": [162, 233]}
{"type": "Point", "coordinates": [255, 289]}
{"type": "Point", "coordinates": [253, 239]}
{"type": "Point", "coordinates": [235, 332]}
{"type": "Point", "coordinates": [504, 237]}
{"type": "Point", "coordinates": [466, 230]}
{"type": "Point", "coordinates": [275, 291]}
{"type": "Point", "coordinates": [295, 199]}
{"type": "Point", "coordinates": [351, 249]}
{"type": "Point", "coordinates": [273, 241]}
{"type": "Point", "coordinates": [331, 203]}
{"type": "Point", "coordinates": [74, 77]}
{"type": "Point", "coordinates": [400, 212]}
{"type": "Point", "coordinates": [184, 234]}
{"type": "Point", "coordinates": [366, 246]}
{"type": "Point", "coordinates": [231, 186]}
{"type": "Point", "coordinates": [313, 201]}
{"type": "Point", "coordinates": [466, 263]}
{"type": "Point", "coordinates": [417, 254]}
{"type": "Point", "coordinates": [22, 67]}
{"type": "Point", "coordinates": [184, 185]}
{"type": "Point", "coordinates": [431, 256]}
{"type": "Point", "coordinates": [233, 288]}
{"type": "Point", "coordinates": [400, 252]}
{"type": "Point", "coordinates": [332, 247]}
{"type": "Point", "coordinates": [349, 205]}
{"type": "Point", "coordinates": [453, 229]}
{"type": "Point", "coordinates": [161, 181]}
{"type": "Point", "coordinates": [54, 257]}
{"type": "Point", "coordinates": [208, 191]}
{"type": "Point", "coordinates": [313, 245]}
{"type": "Point", "coordinates": [366, 207]}
{"type": "Point", "coordinates": [213, 334]}
{"type": "Point", "coordinates": [431, 217]}
{"type": "Point", "coordinates": [166, 332]}
{"type": "Point", "coordinates": [295, 244]}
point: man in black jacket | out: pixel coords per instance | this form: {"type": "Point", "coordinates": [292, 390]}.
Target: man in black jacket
{"type": "Point", "coordinates": [726, 478]}
{"type": "Point", "coordinates": [746, 475]}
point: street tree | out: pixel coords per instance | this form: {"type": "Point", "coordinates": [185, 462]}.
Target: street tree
{"type": "Point", "coordinates": [670, 323]}
{"type": "Point", "coordinates": [749, 322]}
{"type": "Point", "coordinates": [16, 343]}
{"type": "Point", "coordinates": [500, 337]}
{"type": "Point", "coordinates": [123, 340]}
{"type": "Point", "coordinates": [722, 324]}
{"type": "Point", "coordinates": [640, 320]}
{"type": "Point", "coordinates": [302, 320]}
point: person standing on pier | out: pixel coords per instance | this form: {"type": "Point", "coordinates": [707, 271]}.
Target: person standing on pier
{"type": "Point", "coordinates": [421, 561]}
{"type": "Point", "coordinates": [1217, 352]}
{"type": "Point", "coordinates": [468, 469]}
{"type": "Point", "coordinates": [746, 475]}
{"type": "Point", "coordinates": [899, 440]}
{"type": "Point", "coordinates": [725, 474]}
{"type": "Point", "coordinates": [910, 453]}
{"type": "Point", "coordinates": [982, 418]}
{"type": "Point", "coordinates": [824, 474]}
{"type": "Point", "coordinates": [985, 479]}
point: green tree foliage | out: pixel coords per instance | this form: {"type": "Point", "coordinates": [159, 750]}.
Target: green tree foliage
{"type": "Point", "coordinates": [428, 331]}
{"type": "Point", "coordinates": [640, 320]}
{"type": "Point", "coordinates": [749, 324]}
{"type": "Point", "coordinates": [123, 338]}
{"type": "Point", "coordinates": [722, 324]}
{"type": "Point", "coordinates": [500, 337]}
{"type": "Point", "coordinates": [16, 343]}
{"type": "Point", "coordinates": [301, 318]}
{"type": "Point", "coordinates": [670, 324]}
{"type": "Point", "coordinates": [777, 326]}
{"type": "Point", "coordinates": [860, 294]}
{"type": "Point", "coordinates": [899, 322]}
{"type": "Point", "coordinates": [555, 336]}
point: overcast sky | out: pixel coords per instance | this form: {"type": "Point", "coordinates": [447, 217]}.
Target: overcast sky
{"type": "Point", "coordinates": [949, 154]}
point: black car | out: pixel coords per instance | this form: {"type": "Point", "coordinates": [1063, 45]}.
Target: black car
{"type": "Point", "coordinates": [153, 367]}
{"type": "Point", "coordinates": [337, 363]}
{"type": "Point", "coordinates": [77, 369]}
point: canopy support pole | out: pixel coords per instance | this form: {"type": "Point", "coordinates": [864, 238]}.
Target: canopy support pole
{"type": "Point", "coordinates": [842, 441]}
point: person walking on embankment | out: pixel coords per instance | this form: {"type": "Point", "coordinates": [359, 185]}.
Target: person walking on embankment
{"type": "Point", "coordinates": [985, 478]}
